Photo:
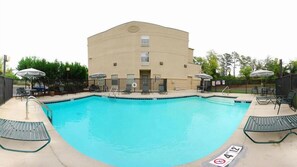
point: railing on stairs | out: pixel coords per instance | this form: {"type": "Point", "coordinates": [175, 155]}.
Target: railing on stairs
{"type": "Point", "coordinates": [49, 112]}
{"type": "Point", "coordinates": [113, 90]}
{"type": "Point", "coordinates": [226, 88]}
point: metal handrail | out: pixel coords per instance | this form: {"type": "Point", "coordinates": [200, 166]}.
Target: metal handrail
{"type": "Point", "coordinates": [227, 87]}
{"type": "Point", "coordinates": [113, 90]}
{"type": "Point", "coordinates": [49, 112]}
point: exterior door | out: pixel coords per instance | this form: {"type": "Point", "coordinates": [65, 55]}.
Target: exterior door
{"type": "Point", "coordinates": [145, 77]}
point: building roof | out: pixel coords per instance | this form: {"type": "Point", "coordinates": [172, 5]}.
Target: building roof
{"type": "Point", "coordinates": [136, 26]}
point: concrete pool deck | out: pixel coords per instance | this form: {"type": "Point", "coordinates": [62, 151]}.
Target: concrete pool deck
{"type": "Point", "coordinates": [59, 153]}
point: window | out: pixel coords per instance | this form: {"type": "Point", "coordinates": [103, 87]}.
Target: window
{"type": "Point", "coordinates": [130, 78]}
{"type": "Point", "coordinates": [145, 40]}
{"type": "Point", "coordinates": [145, 59]}
{"type": "Point", "coordinates": [114, 79]}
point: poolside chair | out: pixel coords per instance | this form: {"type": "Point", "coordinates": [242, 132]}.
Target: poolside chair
{"type": "Point", "coordinates": [285, 100]}
{"type": "Point", "coordinates": [113, 89]}
{"type": "Point", "coordinates": [264, 99]}
{"type": "Point", "coordinates": [270, 124]}
{"type": "Point", "coordinates": [162, 89]}
{"type": "Point", "coordinates": [200, 89]}
{"type": "Point", "coordinates": [23, 131]}
{"type": "Point", "coordinates": [128, 89]}
{"type": "Point", "coordinates": [145, 89]}
{"type": "Point", "coordinates": [21, 92]}
{"type": "Point", "coordinates": [94, 88]}
{"type": "Point", "coordinates": [62, 90]}
{"type": "Point", "coordinates": [267, 99]}
{"type": "Point", "coordinates": [254, 90]}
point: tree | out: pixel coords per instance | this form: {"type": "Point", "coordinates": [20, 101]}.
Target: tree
{"type": "Point", "coordinates": [212, 59]}
{"type": "Point", "coordinates": [9, 74]}
{"type": "Point", "coordinates": [272, 65]}
{"type": "Point", "coordinates": [203, 63]}
{"type": "Point", "coordinates": [235, 57]}
{"type": "Point", "coordinates": [1, 66]}
{"type": "Point", "coordinates": [253, 64]}
{"type": "Point", "coordinates": [226, 61]}
{"type": "Point", "coordinates": [292, 66]}
{"type": "Point", "coordinates": [209, 65]}
{"type": "Point", "coordinates": [54, 70]}
{"type": "Point", "coordinates": [259, 65]}
{"type": "Point", "coordinates": [246, 72]}
{"type": "Point", "coordinates": [244, 61]}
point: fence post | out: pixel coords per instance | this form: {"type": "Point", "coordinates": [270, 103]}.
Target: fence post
{"type": "Point", "coordinates": [291, 81]}
{"type": "Point", "coordinates": [4, 86]}
{"type": "Point", "coordinates": [246, 82]}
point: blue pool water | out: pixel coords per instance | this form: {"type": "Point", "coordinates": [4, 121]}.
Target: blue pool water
{"type": "Point", "coordinates": [125, 132]}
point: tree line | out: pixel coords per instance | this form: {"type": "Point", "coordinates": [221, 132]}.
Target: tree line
{"type": "Point", "coordinates": [221, 65]}
{"type": "Point", "coordinates": [56, 70]}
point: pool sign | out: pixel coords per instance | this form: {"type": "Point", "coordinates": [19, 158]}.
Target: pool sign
{"type": "Point", "coordinates": [227, 157]}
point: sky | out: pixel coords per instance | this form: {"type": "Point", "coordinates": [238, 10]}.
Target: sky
{"type": "Point", "coordinates": [58, 29]}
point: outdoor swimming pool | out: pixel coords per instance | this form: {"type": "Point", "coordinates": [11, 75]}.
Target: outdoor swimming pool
{"type": "Point", "coordinates": [125, 132]}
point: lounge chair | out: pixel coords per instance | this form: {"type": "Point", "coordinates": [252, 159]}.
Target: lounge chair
{"type": "Point", "coordinates": [255, 90]}
{"type": "Point", "coordinates": [162, 89]}
{"type": "Point", "coordinates": [113, 89]}
{"type": "Point", "coordinates": [285, 100]}
{"type": "Point", "coordinates": [270, 124]}
{"type": "Point", "coordinates": [200, 89]}
{"type": "Point", "coordinates": [263, 99]}
{"type": "Point", "coordinates": [94, 88]}
{"type": "Point", "coordinates": [266, 99]}
{"type": "Point", "coordinates": [23, 131]}
{"type": "Point", "coordinates": [21, 92]}
{"type": "Point", "coordinates": [62, 90]}
{"type": "Point", "coordinates": [145, 89]}
{"type": "Point", "coordinates": [128, 89]}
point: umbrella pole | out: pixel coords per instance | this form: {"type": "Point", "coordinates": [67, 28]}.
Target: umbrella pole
{"type": "Point", "coordinates": [203, 85]}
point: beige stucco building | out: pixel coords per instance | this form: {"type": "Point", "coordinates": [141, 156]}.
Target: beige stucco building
{"type": "Point", "coordinates": [144, 50]}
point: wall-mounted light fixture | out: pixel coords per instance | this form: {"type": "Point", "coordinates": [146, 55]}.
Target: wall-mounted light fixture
{"type": "Point", "coordinates": [185, 66]}
{"type": "Point", "coordinates": [161, 63]}
{"type": "Point", "coordinates": [115, 64]}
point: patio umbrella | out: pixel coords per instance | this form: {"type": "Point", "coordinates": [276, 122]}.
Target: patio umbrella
{"type": "Point", "coordinates": [203, 77]}
{"type": "Point", "coordinates": [98, 75]}
{"type": "Point", "coordinates": [30, 73]}
{"type": "Point", "coordinates": [262, 73]}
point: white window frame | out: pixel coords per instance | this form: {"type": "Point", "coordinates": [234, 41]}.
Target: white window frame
{"type": "Point", "coordinates": [145, 41]}
{"type": "Point", "coordinates": [114, 79]}
{"type": "Point", "coordinates": [145, 58]}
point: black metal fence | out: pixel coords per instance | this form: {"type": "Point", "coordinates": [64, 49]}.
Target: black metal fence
{"type": "Point", "coordinates": [6, 89]}
{"type": "Point", "coordinates": [104, 85]}
{"type": "Point", "coordinates": [241, 86]}
{"type": "Point", "coordinates": [71, 86]}
{"type": "Point", "coordinates": [286, 84]}
{"type": "Point", "coordinates": [154, 84]}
